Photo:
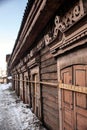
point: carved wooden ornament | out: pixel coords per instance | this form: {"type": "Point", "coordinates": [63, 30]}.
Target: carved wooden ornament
{"type": "Point", "coordinates": [63, 24]}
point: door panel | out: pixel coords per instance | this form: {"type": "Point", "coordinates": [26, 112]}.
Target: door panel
{"type": "Point", "coordinates": [79, 75]}
{"type": "Point", "coordinates": [67, 100]}
{"type": "Point", "coordinates": [81, 100]}
{"type": "Point", "coordinates": [80, 108]}
{"type": "Point", "coordinates": [81, 121]}
{"type": "Point", "coordinates": [74, 104]}
{"type": "Point", "coordinates": [66, 75]}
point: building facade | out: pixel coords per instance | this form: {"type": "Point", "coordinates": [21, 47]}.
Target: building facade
{"type": "Point", "coordinates": [49, 65]}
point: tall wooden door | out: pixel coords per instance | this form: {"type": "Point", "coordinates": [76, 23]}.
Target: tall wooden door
{"type": "Point", "coordinates": [27, 90]}
{"type": "Point", "coordinates": [74, 104]}
{"type": "Point", "coordinates": [23, 89]}
{"type": "Point", "coordinates": [67, 101]}
{"type": "Point", "coordinates": [80, 99]}
{"type": "Point", "coordinates": [36, 96]}
{"type": "Point", "coordinates": [18, 85]}
{"type": "Point", "coordinates": [34, 93]}
{"type": "Point", "coordinates": [21, 86]}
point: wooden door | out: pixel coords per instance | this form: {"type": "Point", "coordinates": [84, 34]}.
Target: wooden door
{"type": "Point", "coordinates": [27, 90]}
{"type": "Point", "coordinates": [80, 104]}
{"type": "Point", "coordinates": [36, 96]}
{"type": "Point", "coordinates": [21, 86]}
{"type": "Point", "coordinates": [74, 104]}
{"type": "Point", "coordinates": [18, 85]}
{"type": "Point", "coordinates": [34, 92]}
{"type": "Point", "coordinates": [67, 101]}
{"type": "Point", "coordinates": [23, 89]}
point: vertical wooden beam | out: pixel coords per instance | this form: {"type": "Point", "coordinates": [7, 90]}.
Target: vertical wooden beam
{"type": "Point", "coordinates": [59, 96]}
{"type": "Point", "coordinates": [30, 101]}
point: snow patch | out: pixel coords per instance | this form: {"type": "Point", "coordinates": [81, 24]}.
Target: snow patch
{"type": "Point", "coordinates": [10, 77]}
{"type": "Point", "coordinates": [5, 86]}
{"type": "Point", "coordinates": [20, 112]}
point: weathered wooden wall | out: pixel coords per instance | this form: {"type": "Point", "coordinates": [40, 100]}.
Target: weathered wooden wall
{"type": "Point", "coordinates": [61, 44]}
{"type": "Point", "coordinates": [49, 93]}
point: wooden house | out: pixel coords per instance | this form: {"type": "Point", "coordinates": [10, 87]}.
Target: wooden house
{"type": "Point", "coordinates": [49, 65]}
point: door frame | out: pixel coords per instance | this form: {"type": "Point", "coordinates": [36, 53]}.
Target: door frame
{"type": "Point", "coordinates": [33, 71]}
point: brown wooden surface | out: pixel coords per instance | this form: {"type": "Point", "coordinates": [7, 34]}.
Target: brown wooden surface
{"type": "Point", "coordinates": [49, 93]}
{"type": "Point", "coordinates": [67, 101]}
{"type": "Point", "coordinates": [26, 87]}
{"type": "Point", "coordinates": [36, 92]}
{"type": "Point", "coordinates": [50, 106]}
{"type": "Point", "coordinates": [21, 87]}
{"type": "Point", "coordinates": [52, 68]}
{"type": "Point", "coordinates": [49, 76]}
{"type": "Point", "coordinates": [46, 63]}
{"type": "Point", "coordinates": [80, 74]}
{"type": "Point", "coordinates": [74, 104]}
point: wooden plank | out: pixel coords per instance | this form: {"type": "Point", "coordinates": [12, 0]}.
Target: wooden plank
{"type": "Point", "coordinates": [44, 50]}
{"type": "Point", "coordinates": [50, 121]}
{"type": "Point", "coordinates": [52, 76]}
{"type": "Point", "coordinates": [50, 94]}
{"type": "Point", "coordinates": [49, 62]}
{"type": "Point", "coordinates": [49, 69]}
{"type": "Point", "coordinates": [50, 103]}
{"type": "Point", "coordinates": [46, 56]}
{"type": "Point", "coordinates": [54, 113]}
{"type": "Point", "coordinates": [54, 117]}
{"type": "Point", "coordinates": [51, 81]}
{"type": "Point", "coordinates": [52, 91]}
{"type": "Point", "coordinates": [79, 89]}
{"type": "Point", "coordinates": [39, 82]}
{"type": "Point", "coordinates": [50, 97]}
{"type": "Point", "coordinates": [49, 124]}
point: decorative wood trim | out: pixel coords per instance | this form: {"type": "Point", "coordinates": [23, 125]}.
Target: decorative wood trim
{"type": "Point", "coordinates": [32, 63]}
{"type": "Point", "coordinates": [69, 41]}
{"type": "Point", "coordinates": [40, 45]}
{"type": "Point", "coordinates": [62, 24]}
{"type": "Point", "coordinates": [23, 69]}
{"type": "Point", "coordinates": [70, 18]}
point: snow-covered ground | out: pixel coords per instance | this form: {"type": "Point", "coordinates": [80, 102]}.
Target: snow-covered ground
{"type": "Point", "coordinates": [14, 115]}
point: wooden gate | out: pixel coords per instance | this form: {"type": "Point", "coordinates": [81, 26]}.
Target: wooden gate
{"type": "Point", "coordinates": [74, 97]}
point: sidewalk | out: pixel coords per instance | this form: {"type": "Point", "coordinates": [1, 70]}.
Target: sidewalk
{"type": "Point", "coordinates": [14, 115]}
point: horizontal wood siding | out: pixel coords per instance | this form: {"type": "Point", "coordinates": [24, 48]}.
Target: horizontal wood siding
{"type": "Point", "coordinates": [49, 93]}
{"type": "Point", "coordinates": [50, 108]}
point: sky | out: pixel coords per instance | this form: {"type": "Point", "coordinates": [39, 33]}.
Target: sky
{"type": "Point", "coordinates": [11, 14]}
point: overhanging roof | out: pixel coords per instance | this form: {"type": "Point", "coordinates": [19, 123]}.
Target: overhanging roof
{"type": "Point", "coordinates": [36, 16]}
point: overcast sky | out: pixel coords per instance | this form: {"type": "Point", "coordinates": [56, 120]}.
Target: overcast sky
{"type": "Point", "coordinates": [11, 14]}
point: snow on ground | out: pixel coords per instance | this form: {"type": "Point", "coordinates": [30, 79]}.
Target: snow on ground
{"type": "Point", "coordinates": [14, 115]}
{"type": "Point", "coordinates": [6, 86]}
